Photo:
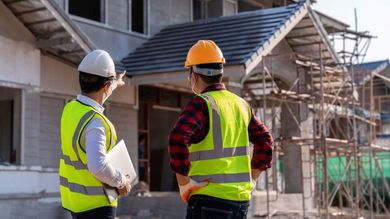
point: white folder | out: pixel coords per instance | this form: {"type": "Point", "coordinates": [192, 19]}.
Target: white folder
{"type": "Point", "coordinates": [119, 158]}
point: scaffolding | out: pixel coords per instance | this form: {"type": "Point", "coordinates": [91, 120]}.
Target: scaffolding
{"type": "Point", "coordinates": [340, 156]}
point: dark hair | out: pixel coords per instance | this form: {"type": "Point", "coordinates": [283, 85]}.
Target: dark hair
{"type": "Point", "coordinates": [209, 80]}
{"type": "Point", "coordinates": [91, 83]}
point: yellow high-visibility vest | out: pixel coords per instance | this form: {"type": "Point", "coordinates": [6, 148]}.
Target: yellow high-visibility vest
{"type": "Point", "coordinates": [222, 157]}
{"type": "Point", "coordinates": [80, 190]}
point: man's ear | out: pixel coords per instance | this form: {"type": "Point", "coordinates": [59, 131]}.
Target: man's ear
{"type": "Point", "coordinates": [196, 77]}
{"type": "Point", "coordinates": [107, 86]}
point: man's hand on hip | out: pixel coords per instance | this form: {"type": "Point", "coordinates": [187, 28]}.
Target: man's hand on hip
{"type": "Point", "coordinates": [191, 186]}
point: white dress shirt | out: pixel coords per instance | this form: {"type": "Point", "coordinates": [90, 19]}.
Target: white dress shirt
{"type": "Point", "coordinates": [94, 137]}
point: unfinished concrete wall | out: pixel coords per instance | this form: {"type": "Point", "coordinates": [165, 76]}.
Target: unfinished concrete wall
{"type": "Point", "coordinates": [19, 58]}
{"type": "Point", "coordinates": [229, 7]}
{"type": "Point", "coordinates": [60, 78]}
{"type": "Point", "coordinates": [12, 28]}
{"type": "Point", "coordinates": [118, 12]}
{"type": "Point", "coordinates": [118, 43]}
{"type": "Point", "coordinates": [19, 62]}
{"type": "Point", "coordinates": [50, 139]}
{"type": "Point", "coordinates": [165, 12]}
{"type": "Point", "coordinates": [29, 192]}
{"type": "Point", "coordinates": [61, 3]}
{"type": "Point", "coordinates": [124, 118]}
{"type": "Point", "coordinates": [31, 128]}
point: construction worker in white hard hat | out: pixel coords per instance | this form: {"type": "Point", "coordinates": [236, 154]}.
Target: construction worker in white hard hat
{"type": "Point", "coordinates": [86, 136]}
{"type": "Point", "coordinates": [209, 144]}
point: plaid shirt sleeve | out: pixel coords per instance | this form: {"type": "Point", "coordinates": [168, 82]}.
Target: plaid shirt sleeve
{"type": "Point", "coordinates": [191, 127]}
{"type": "Point", "coordinates": [262, 144]}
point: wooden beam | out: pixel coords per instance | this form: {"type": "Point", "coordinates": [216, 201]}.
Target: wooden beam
{"type": "Point", "coordinates": [306, 44]}
{"type": "Point", "coordinates": [293, 36]}
{"type": "Point", "coordinates": [381, 76]}
{"type": "Point", "coordinates": [41, 44]}
{"type": "Point", "coordinates": [20, 13]}
{"type": "Point", "coordinates": [29, 24]}
{"type": "Point", "coordinates": [303, 27]}
{"type": "Point", "coordinates": [10, 2]}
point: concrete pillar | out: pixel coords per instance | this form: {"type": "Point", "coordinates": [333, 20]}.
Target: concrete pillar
{"type": "Point", "coordinates": [297, 166]}
{"type": "Point", "coordinates": [31, 127]}
{"type": "Point", "coordinates": [292, 153]}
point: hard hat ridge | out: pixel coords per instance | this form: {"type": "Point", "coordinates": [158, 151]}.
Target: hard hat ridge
{"type": "Point", "coordinates": [98, 62]}
{"type": "Point", "coordinates": [204, 52]}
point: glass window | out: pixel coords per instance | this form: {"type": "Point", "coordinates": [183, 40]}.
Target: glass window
{"type": "Point", "coordinates": [168, 98]}
{"type": "Point", "coordinates": [91, 9]}
{"type": "Point", "coordinates": [147, 94]}
{"type": "Point", "coordinates": [137, 16]}
{"type": "Point", "coordinates": [197, 9]}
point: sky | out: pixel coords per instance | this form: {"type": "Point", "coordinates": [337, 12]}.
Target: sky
{"type": "Point", "coordinates": [373, 16]}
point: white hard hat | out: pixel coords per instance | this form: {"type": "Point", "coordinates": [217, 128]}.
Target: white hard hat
{"type": "Point", "coordinates": [98, 62]}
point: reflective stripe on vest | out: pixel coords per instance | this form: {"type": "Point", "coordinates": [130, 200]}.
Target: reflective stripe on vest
{"type": "Point", "coordinates": [219, 152]}
{"type": "Point", "coordinates": [86, 190]}
{"type": "Point", "coordinates": [77, 164]}
{"type": "Point", "coordinates": [224, 178]}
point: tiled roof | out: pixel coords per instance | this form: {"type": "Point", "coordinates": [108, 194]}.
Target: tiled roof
{"type": "Point", "coordinates": [361, 70]}
{"type": "Point", "coordinates": [373, 65]}
{"type": "Point", "coordinates": [239, 37]}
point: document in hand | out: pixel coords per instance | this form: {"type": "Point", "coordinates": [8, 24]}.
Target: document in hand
{"type": "Point", "coordinates": [119, 158]}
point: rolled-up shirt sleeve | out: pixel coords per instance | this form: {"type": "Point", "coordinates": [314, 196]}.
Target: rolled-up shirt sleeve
{"type": "Point", "coordinates": [191, 127]}
{"type": "Point", "coordinates": [94, 138]}
{"type": "Point", "coordinates": [262, 144]}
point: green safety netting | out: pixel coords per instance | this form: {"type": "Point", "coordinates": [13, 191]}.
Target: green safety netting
{"type": "Point", "coordinates": [337, 166]}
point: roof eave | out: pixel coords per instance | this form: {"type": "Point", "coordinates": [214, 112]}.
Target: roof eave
{"type": "Point", "coordinates": [234, 71]}
{"type": "Point", "coordinates": [251, 63]}
{"type": "Point", "coordinates": [55, 32]}
{"type": "Point", "coordinates": [69, 26]}
{"type": "Point", "coordinates": [331, 22]}
{"type": "Point", "coordinates": [324, 35]}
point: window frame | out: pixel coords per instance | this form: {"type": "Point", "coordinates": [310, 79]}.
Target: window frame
{"type": "Point", "coordinates": [104, 24]}
{"type": "Point", "coordinates": [103, 13]}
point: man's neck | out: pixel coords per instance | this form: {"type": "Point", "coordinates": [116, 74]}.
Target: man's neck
{"type": "Point", "coordinates": [95, 96]}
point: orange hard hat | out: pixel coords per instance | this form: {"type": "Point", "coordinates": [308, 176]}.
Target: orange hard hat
{"type": "Point", "coordinates": [204, 52]}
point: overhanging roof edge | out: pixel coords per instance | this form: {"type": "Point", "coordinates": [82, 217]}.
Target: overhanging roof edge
{"type": "Point", "coordinates": [69, 26]}
{"type": "Point", "coordinates": [294, 19]}
{"type": "Point", "coordinates": [173, 76]}
{"type": "Point", "coordinates": [322, 32]}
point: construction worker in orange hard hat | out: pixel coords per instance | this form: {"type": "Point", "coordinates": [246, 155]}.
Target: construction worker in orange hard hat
{"type": "Point", "coordinates": [209, 144]}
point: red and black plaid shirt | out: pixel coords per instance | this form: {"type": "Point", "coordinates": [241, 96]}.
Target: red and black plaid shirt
{"type": "Point", "coordinates": [193, 126]}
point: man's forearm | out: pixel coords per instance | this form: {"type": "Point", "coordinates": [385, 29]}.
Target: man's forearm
{"type": "Point", "coordinates": [256, 174]}
{"type": "Point", "coordinates": [182, 180]}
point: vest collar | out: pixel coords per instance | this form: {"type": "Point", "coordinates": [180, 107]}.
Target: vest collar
{"type": "Point", "coordinates": [90, 102]}
{"type": "Point", "coordinates": [214, 87]}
